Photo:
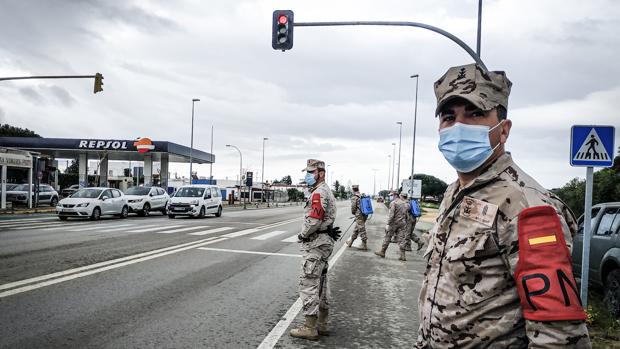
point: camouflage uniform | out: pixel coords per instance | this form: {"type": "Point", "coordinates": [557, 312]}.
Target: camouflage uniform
{"type": "Point", "coordinates": [411, 222]}
{"type": "Point", "coordinates": [313, 278]}
{"type": "Point", "coordinates": [360, 219]}
{"type": "Point", "coordinates": [469, 297]}
{"type": "Point", "coordinates": [397, 224]}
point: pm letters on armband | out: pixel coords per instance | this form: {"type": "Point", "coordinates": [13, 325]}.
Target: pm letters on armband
{"type": "Point", "coordinates": [316, 209]}
{"type": "Point", "coordinates": [544, 274]}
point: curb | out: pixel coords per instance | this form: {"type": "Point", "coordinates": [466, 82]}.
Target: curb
{"type": "Point", "coordinates": [28, 211]}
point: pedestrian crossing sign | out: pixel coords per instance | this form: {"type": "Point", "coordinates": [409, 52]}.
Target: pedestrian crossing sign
{"type": "Point", "coordinates": [592, 146]}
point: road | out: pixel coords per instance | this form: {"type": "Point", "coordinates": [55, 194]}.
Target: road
{"type": "Point", "coordinates": [152, 282]}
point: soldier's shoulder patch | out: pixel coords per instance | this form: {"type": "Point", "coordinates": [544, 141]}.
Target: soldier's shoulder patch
{"type": "Point", "coordinates": [544, 274]}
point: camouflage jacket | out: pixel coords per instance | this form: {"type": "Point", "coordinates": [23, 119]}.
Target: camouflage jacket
{"type": "Point", "coordinates": [397, 215]}
{"type": "Point", "coordinates": [328, 203]}
{"type": "Point", "coordinates": [355, 204]}
{"type": "Point", "coordinates": [469, 298]}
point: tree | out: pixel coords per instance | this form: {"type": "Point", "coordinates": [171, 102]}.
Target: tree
{"type": "Point", "coordinates": [431, 185]}
{"type": "Point", "coordinates": [294, 194]}
{"type": "Point", "coordinates": [7, 130]}
{"type": "Point", "coordinates": [336, 185]}
{"type": "Point", "coordinates": [287, 180]}
{"type": "Point", "coordinates": [73, 168]}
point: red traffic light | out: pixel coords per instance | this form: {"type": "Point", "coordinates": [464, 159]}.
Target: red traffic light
{"type": "Point", "coordinates": [282, 19]}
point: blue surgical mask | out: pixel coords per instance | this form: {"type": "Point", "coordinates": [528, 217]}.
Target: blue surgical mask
{"type": "Point", "coordinates": [466, 147]}
{"type": "Point", "coordinates": [310, 179]}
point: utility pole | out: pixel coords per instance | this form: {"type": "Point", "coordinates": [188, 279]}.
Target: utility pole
{"type": "Point", "coordinates": [400, 139]}
{"type": "Point", "coordinates": [393, 165]}
{"type": "Point", "coordinates": [191, 146]}
{"type": "Point", "coordinates": [415, 118]}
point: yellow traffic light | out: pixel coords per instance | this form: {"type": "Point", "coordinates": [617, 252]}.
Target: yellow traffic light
{"type": "Point", "coordinates": [98, 83]}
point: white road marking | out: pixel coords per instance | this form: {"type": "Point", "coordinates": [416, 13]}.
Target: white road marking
{"type": "Point", "coordinates": [64, 225]}
{"type": "Point", "coordinates": [211, 231]}
{"type": "Point", "coordinates": [28, 225]}
{"type": "Point", "coordinates": [104, 226]}
{"type": "Point", "coordinates": [11, 221]}
{"type": "Point", "coordinates": [274, 336]}
{"type": "Point", "coordinates": [291, 239]}
{"type": "Point", "coordinates": [100, 267]}
{"type": "Point", "coordinates": [241, 233]}
{"type": "Point", "coordinates": [250, 252]}
{"type": "Point", "coordinates": [269, 235]}
{"type": "Point", "coordinates": [182, 229]}
{"type": "Point", "coordinates": [156, 228]}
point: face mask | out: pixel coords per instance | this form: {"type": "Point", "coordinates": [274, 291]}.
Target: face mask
{"type": "Point", "coordinates": [466, 147]}
{"type": "Point", "coordinates": [310, 179]}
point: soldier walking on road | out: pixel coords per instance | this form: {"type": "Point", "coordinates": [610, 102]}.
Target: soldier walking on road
{"type": "Point", "coordinates": [411, 222]}
{"type": "Point", "coordinates": [498, 271]}
{"type": "Point", "coordinates": [317, 237]}
{"type": "Point", "coordinates": [360, 219]}
{"type": "Point", "coordinates": [396, 226]}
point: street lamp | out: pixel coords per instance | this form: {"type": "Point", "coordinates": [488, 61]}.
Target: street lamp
{"type": "Point", "coordinates": [393, 165]}
{"type": "Point", "coordinates": [389, 169]}
{"type": "Point", "coordinates": [400, 138]}
{"type": "Point", "coordinates": [240, 167]}
{"type": "Point", "coordinates": [263, 171]}
{"type": "Point", "coordinates": [415, 118]}
{"type": "Point", "coordinates": [374, 182]}
{"type": "Point", "coordinates": [191, 146]}
{"type": "Point", "coordinates": [327, 175]}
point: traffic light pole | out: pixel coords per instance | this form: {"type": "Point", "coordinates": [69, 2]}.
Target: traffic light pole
{"type": "Point", "coordinates": [458, 41]}
{"type": "Point", "coordinates": [98, 77]}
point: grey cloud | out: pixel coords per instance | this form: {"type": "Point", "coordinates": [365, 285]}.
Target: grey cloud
{"type": "Point", "coordinates": [32, 95]}
{"type": "Point", "coordinates": [130, 15]}
{"type": "Point", "coordinates": [62, 95]}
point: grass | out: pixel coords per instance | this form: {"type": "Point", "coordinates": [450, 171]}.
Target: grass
{"type": "Point", "coordinates": [603, 327]}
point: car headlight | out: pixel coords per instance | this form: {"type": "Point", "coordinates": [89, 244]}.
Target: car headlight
{"type": "Point", "coordinates": [194, 202]}
{"type": "Point", "coordinates": [84, 204]}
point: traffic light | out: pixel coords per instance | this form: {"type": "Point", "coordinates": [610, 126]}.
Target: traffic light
{"type": "Point", "coordinates": [98, 83]}
{"type": "Point", "coordinates": [282, 30]}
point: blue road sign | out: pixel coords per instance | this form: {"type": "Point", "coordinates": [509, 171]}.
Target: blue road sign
{"type": "Point", "coordinates": [592, 146]}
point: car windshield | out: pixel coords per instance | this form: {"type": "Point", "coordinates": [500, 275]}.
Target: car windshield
{"type": "Point", "coordinates": [138, 191]}
{"type": "Point", "coordinates": [11, 186]}
{"type": "Point", "coordinates": [22, 187]}
{"type": "Point", "coordinates": [189, 193]}
{"type": "Point", "coordinates": [87, 194]}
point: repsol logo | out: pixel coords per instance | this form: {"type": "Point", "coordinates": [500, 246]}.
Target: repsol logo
{"type": "Point", "coordinates": [99, 144]}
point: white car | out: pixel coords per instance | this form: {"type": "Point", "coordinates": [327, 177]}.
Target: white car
{"type": "Point", "coordinates": [144, 200]}
{"type": "Point", "coordinates": [195, 201]}
{"type": "Point", "coordinates": [93, 203]}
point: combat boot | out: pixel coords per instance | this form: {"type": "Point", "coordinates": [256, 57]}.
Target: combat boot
{"type": "Point", "coordinates": [308, 330]}
{"type": "Point", "coordinates": [350, 242]}
{"type": "Point", "coordinates": [402, 256]}
{"type": "Point", "coordinates": [381, 253]}
{"type": "Point", "coordinates": [321, 325]}
{"type": "Point", "coordinates": [364, 247]}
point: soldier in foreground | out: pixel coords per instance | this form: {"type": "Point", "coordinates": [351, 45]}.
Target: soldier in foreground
{"type": "Point", "coordinates": [396, 226]}
{"type": "Point", "coordinates": [498, 271]}
{"type": "Point", "coordinates": [360, 219]}
{"type": "Point", "coordinates": [317, 237]}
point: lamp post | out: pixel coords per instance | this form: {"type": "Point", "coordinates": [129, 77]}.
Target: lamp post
{"type": "Point", "coordinates": [400, 139]}
{"type": "Point", "coordinates": [262, 173]}
{"type": "Point", "coordinates": [327, 175]}
{"type": "Point", "coordinates": [393, 165]}
{"type": "Point", "coordinates": [240, 168]}
{"type": "Point", "coordinates": [415, 118]}
{"type": "Point", "coordinates": [191, 146]}
{"type": "Point", "coordinates": [389, 169]}
{"type": "Point", "coordinates": [374, 182]}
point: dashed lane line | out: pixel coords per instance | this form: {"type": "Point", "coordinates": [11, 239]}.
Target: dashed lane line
{"type": "Point", "coordinates": [250, 252]}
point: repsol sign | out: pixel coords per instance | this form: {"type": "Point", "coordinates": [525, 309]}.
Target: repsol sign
{"type": "Point", "coordinates": [103, 144]}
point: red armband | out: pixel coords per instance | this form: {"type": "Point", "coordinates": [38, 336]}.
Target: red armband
{"type": "Point", "coordinates": [544, 273]}
{"type": "Point", "coordinates": [316, 209]}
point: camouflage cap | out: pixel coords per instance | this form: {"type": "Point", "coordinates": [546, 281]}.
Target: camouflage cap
{"type": "Point", "coordinates": [355, 187]}
{"type": "Point", "coordinates": [314, 164]}
{"type": "Point", "coordinates": [403, 194]}
{"type": "Point", "coordinates": [486, 90]}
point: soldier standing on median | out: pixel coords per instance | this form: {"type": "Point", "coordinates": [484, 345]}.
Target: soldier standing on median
{"type": "Point", "coordinates": [360, 219]}
{"type": "Point", "coordinates": [396, 226]}
{"type": "Point", "coordinates": [498, 271]}
{"type": "Point", "coordinates": [317, 237]}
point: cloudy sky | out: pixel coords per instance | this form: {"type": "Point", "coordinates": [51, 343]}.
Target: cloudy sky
{"type": "Point", "coordinates": [336, 96]}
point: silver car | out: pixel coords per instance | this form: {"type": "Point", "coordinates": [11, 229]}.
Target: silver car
{"type": "Point", "coordinates": [19, 195]}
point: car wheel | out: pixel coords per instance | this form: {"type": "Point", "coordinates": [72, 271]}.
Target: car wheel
{"type": "Point", "coordinates": [124, 212]}
{"type": "Point", "coordinates": [96, 214]}
{"type": "Point", "coordinates": [62, 218]}
{"type": "Point", "coordinates": [219, 212]}
{"type": "Point", "coordinates": [611, 296]}
{"type": "Point", "coordinates": [171, 216]}
{"type": "Point", "coordinates": [146, 210]}
{"type": "Point", "coordinates": [202, 212]}
{"type": "Point", "coordinates": [54, 201]}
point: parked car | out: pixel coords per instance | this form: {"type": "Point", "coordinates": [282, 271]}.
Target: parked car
{"type": "Point", "coordinates": [143, 200]}
{"type": "Point", "coordinates": [604, 267]}
{"type": "Point", "coordinates": [93, 203]}
{"type": "Point", "coordinates": [19, 195]}
{"type": "Point", "coordinates": [68, 191]}
{"type": "Point", "coordinates": [196, 201]}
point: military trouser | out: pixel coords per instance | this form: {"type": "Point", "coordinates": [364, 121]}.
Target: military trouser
{"type": "Point", "coordinates": [398, 231]}
{"type": "Point", "coordinates": [313, 288]}
{"type": "Point", "coordinates": [412, 235]}
{"type": "Point", "coordinates": [360, 228]}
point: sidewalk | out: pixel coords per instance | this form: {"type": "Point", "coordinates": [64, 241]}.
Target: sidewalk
{"type": "Point", "coordinates": [373, 300]}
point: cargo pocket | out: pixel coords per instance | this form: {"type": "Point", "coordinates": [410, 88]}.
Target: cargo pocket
{"type": "Point", "coordinates": [477, 268]}
{"type": "Point", "coordinates": [311, 267]}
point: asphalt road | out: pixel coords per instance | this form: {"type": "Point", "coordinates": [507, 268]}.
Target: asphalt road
{"type": "Point", "coordinates": [149, 282]}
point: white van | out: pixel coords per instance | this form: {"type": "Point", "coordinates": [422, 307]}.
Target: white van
{"type": "Point", "coordinates": [195, 200]}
